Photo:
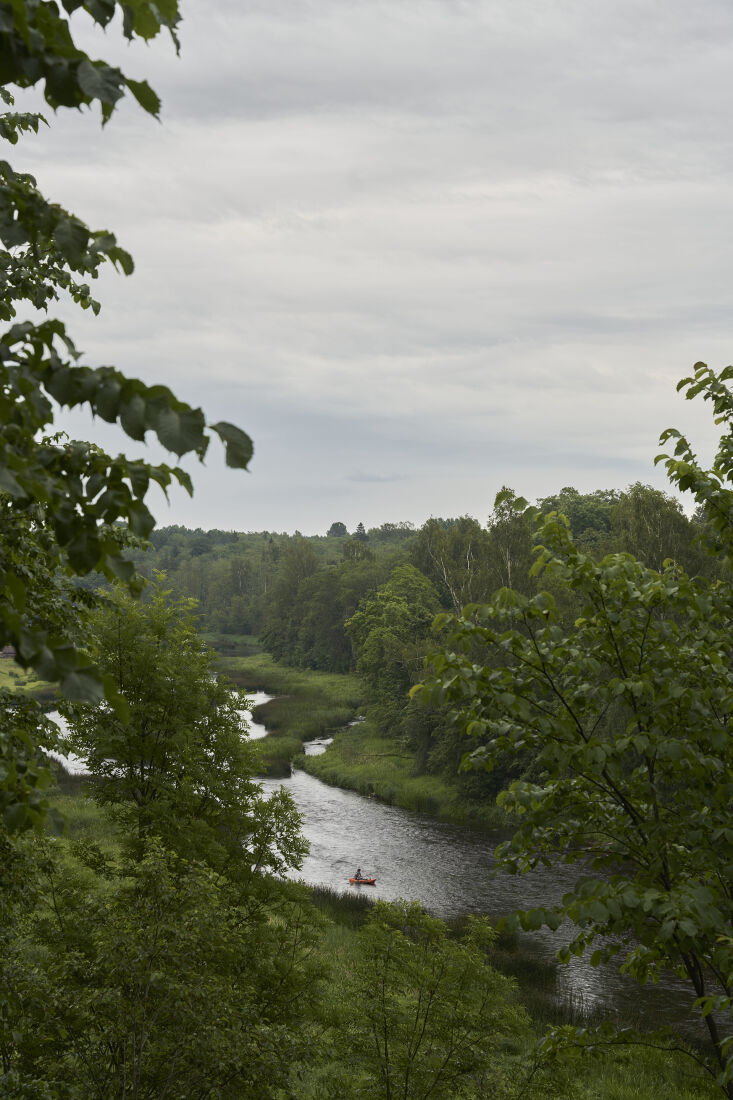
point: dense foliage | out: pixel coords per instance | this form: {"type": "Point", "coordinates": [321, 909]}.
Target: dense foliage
{"type": "Point", "coordinates": [323, 602]}
{"type": "Point", "coordinates": [61, 500]}
{"type": "Point", "coordinates": [168, 962]}
{"type": "Point", "coordinates": [178, 766]}
{"type": "Point", "coordinates": [430, 1017]}
{"type": "Point", "coordinates": [624, 711]}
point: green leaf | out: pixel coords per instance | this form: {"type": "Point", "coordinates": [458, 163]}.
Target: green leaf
{"type": "Point", "coordinates": [71, 238]}
{"type": "Point", "coordinates": [17, 817]}
{"type": "Point", "coordinates": [100, 81]}
{"type": "Point", "coordinates": [82, 687]}
{"type": "Point", "coordinates": [16, 591]}
{"type": "Point", "coordinates": [145, 96]}
{"type": "Point", "coordinates": [107, 400]}
{"type": "Point", "coordinates": [132, 417]}
{"type": "Point", "coordinates": [9, 483]}
{"type": "Point", "coordinates": [180, 432]}
{"type": "Point", "coordinates": [239, 447]}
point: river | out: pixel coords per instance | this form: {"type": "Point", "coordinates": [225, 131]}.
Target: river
{"type": "Point", "coordinates": [450, 869]}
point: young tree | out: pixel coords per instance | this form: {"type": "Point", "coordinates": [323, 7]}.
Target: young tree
{"type": "Point", "coordinates": [651, 525]}
{"type": "Point", "coordinates": [431, 1014]}
{"type": "Point", "coordinates": [626, 714]}
{"type": "Point", "coordinates": [589, 514]}
{"type": "Point", "coordinates": [389, 631]}
{"type": "Point", "coordinates": [356, 549]}
{"type": "Point", "coordinates": [178, 764]}
{"type": "Point", "coordinates": [455, 558]}
{"type": "Point", "coordinates": [510, 543]}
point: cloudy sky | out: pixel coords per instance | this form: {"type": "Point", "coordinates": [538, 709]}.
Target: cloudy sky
{"type": "Point", "coordinates": [418, 249]}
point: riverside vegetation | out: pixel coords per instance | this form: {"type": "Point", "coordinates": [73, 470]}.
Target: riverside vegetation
{"type": "Point", "coordinates": [330, 1049]}
{"type": "Point", "coordinates": [364, 603]}
{"type": "Point", "coordinates": [156, 862]}
{"type": "Point", "coordinates": [138, 845]}
{"type": "Point", "coordinates": [149, 943]}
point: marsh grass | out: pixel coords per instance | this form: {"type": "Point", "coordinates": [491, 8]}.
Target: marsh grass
{"type": "Point", "coordinates": [623, 1073]}
{"type": "Point", "coordinates": [308, 704]}
{"type": "Point", "coordinates": [273, 755]}
{"type": "Point", "coordinates": [362, 760]}
{"type": "Point", "coordinates": [261, 672]}
{"type": "Point", "coordinates": [85, 820]}
{"type": "Point", "coordinates": [15, 679]}
{"type": "Point", "coordinates": [312, 704]}
{"type": "Point", "coordinates": [304, 716]}
{"type": "Point", "coordinates": [345, 907]}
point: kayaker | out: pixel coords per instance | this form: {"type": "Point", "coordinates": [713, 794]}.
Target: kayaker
{"type": "Point", "coordinates": [358, 873]}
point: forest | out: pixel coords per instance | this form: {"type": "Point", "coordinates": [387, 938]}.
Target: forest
{"type": "Point", "coordinates": [365, 601]}
{"type": "Point", "coordinates": [566, 661]}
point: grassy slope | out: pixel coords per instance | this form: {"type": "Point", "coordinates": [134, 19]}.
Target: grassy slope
{"type": "Point", "coordinates": [360, 759]}
{"type": "Point", "coordinates": [13, 678]}
{"type": "Point", "coordinates": [313, 704]}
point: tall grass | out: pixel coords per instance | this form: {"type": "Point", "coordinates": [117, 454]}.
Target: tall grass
{"type": "Point", "coordinates": [15, 679]}
{"type": "Point", "coordinates": [304, 716]}
{"type": "Point", "coordinates": [273, 755]}
{"type": "Point", "coordinates": [362, 760]}
{"type": "Point", "coordinates": [345, 907]}
{"type": "Point", "coordinates": [307, 704]}
{"type": "Point", "coordinates": [85, 820]}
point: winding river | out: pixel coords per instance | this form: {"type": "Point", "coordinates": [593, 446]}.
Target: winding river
{"type": "Point", "coordinates": [450, 869]}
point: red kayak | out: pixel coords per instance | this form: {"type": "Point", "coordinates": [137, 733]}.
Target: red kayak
{"type": "Point", "coordinates": [362, 881]}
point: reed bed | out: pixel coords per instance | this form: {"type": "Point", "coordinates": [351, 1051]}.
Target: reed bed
{"type": "Point", "coordinates": [307, 705]}
{"type": "Point", "coordinates": [273, 755]}
{"type": "Point", "coordinates": [345, 907]}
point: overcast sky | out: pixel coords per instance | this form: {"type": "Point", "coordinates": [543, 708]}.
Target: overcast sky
{"type": "Point", "coordinates": [418, 249]}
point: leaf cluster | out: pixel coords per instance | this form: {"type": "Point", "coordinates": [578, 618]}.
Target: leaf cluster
{"type": "Point", "coordinates": [626, 714]}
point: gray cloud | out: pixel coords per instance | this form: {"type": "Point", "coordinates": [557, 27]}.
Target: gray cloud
{"type": "Point", "coordinates": [445, 245]}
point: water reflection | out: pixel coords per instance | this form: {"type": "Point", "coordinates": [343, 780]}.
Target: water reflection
{"type": "Point", "coordinates": [255, 699]}
{"type": "Point", "coordinates": [317, 747]}
{"type": "Point", "coordinates": [451, 870]}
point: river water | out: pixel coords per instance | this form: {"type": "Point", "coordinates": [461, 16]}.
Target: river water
{"type": "Point", "coordinates": [451, 870]}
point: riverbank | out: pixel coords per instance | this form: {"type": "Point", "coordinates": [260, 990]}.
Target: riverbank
{"type": "Point", "coordinates": [628, 1072]}
{"type": "Point", "coordinates": [622, 1072]}
{"type": "Point", "coordinates": [361, 760]}
{"type": "Point", "coordinates": [307, 704]}
{"type": "Point", "coordinates": [311, 704]}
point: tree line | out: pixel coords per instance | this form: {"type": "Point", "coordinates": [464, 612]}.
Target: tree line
{"type": "Point", "coordinates": [366, 601]}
